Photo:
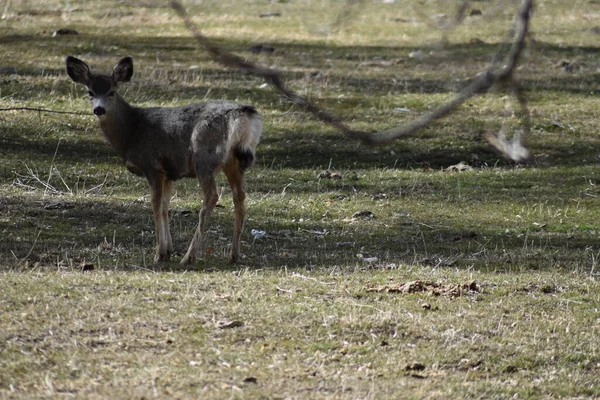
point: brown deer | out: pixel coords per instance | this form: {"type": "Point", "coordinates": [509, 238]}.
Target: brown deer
{"type": "Point", "coordinates": [166, 144]}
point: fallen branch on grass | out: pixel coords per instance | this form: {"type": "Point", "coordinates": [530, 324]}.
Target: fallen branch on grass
{"type": "Point", "coordinates": [494, 75]}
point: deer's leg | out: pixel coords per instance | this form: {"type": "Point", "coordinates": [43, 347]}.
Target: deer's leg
{"type": "Point", "coordinates": [166, 200]}
{"type": "Point", "coordinates": [209, 188]}
{"type": "Point", "coordinates": [235, 178]}
{"type": "Point", "coordinates": [156, 186]}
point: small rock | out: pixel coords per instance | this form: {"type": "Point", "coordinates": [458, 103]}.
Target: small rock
{"type": "Point", "coordinates": [230, 324]}
{"type": "Point", "coordinates": [364, 214]}
{"type": "Point", "coordinates": [261, 48]}
{"type": "Point", "coordinates": [414, 367]}
{"type": "Point", "coordinates": [270, 14]}
{"type": "Point", "coordinates": [370, 260]}
{"type": "Point", "coordinates": [330, 175]}
{"type": "Point", "coordinates": [64, 32]}
{"type": "Point", "coordinates": [85, 267]}
{"type": "Point", "coordinates": [416, 54]}
{"type": "Point", "coordinates": [460, 167]}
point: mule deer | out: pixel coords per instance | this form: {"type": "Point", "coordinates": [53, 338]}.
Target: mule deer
{"type": "Point", "coordinates": [166, 144]}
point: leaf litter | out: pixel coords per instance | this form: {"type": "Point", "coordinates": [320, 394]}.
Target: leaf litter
{"type": "Point", "coordinates": [451, 290]}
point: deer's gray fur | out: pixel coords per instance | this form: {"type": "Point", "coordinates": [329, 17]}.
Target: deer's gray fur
{"type": "Point", "coordinates": [166, 144]}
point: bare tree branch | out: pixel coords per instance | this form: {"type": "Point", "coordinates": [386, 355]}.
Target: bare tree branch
{"type": "Point", "coordinates": [514, 149]}
{"type": "Point", "coordinates": [482, 82]}
{"type": "Point", "coordinates": [271, 76]}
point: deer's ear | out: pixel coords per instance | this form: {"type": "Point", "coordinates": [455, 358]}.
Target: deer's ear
{"type": "Point", "coordinates": [123, 70]}
{"type": "Point", "coordinates": [78, 71]}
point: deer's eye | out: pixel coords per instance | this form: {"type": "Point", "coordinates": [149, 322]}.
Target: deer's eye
{"type": "Point", "coordinates": [90, 93]}
{"type": "Point", "coordinates": [111, 93]}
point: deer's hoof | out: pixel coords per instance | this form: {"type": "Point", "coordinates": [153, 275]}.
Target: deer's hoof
{"type": "Point", "coordinates": [188, 260]}
{"type": "Point", "coordinates": [161, 257]}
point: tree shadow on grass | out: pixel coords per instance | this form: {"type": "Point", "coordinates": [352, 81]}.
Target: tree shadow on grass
{"type": "Point", "coordinates": [462, 59]}
{"type": "Point", "coordinates": [322, 146]}
{"type": "Point", "coordinates": [60, 233]}
{"type": "Point", "coordinates": [296, 150]}
{"type": "Point", "coordinates": [84, 229]}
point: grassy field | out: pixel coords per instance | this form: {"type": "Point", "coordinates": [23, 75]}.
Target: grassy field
{"type": "Point", "coordinates": [315, 309]}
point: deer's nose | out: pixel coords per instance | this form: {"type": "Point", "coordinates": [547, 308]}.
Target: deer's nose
{"type": "Point", "coordinates": [99, 111]}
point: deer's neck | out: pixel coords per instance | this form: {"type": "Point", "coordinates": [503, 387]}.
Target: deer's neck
{"type": "Point", "coordinates": [119, 127]}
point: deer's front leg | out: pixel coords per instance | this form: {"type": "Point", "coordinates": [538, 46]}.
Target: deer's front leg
{"type": "Point", "coordinates": [161, 226]}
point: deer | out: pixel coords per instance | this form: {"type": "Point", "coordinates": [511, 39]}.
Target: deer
{"type": "Point", "coordinates": [165, 144]}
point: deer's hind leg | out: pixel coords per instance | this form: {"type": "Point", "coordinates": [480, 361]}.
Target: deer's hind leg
{"type": "Point", "coordinates": [157, 187]}
{"type": "Point", "coordinates": [235, 178]}
{"type": "Point", "coordinates": [166, 201]}
{"type": "Point", "coordinates": [205, 172]}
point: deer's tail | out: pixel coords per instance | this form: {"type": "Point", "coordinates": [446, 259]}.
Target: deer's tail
{"type": "Point", "coordinates": [244, 135]}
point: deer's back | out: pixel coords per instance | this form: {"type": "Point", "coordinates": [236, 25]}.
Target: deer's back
{"type": "Point", "coordinates": [181, 121]}
{"type": "Point", "coordinates": [165, 134]}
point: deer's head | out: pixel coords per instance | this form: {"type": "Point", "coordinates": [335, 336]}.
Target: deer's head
{"type": "Point", "coordinates": [101, 88]}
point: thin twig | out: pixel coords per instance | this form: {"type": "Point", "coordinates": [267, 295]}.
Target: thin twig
{"type": "Point", "coordinates": [44, 110]}
{"type": "Point", "coordinates": [31, 249]}
{"type": "Point", "coordinates": [34, 175]}
{"type": "Point", "coordinates": [141, 268]}
{"type": "Point", "coordinates": [52, 166]}
{"type": "Point", "coordinates": [278, 289]}
{"type": "Point", "coordinates": [297, 275]}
